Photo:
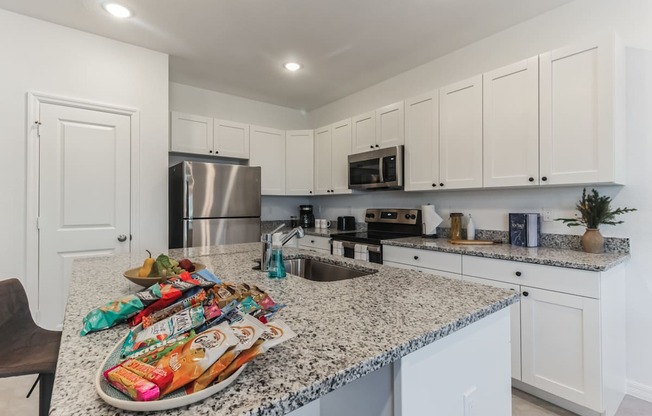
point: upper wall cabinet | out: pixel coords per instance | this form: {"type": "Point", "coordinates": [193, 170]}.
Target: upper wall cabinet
{"type": "Point", "coordinates": [581, 113]}
{"type": "Point", "coordinates": [231, 139]}
{"type": "Point", "coordinates": [299, 166]}
{"type": "Point", "coordinates": [422, 142]}
{"type": "Point", "coordinates": [378, 129]}
{"type": "Point", "coordinates": [332, 148]}
{"type": "Point", "coordinates": [208, 136]}
{"type": "Point", "coordinates": [268, 152]}
{"type": "Point", "coordinates": [460, 134]}
{"type": "Point", "coordinates": [191, 134]}
{"type": "Point", "coordinates": [511, 125]}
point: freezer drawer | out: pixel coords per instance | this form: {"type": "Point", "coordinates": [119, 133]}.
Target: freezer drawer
{"type": "Point", "coordinates": [210, 232]}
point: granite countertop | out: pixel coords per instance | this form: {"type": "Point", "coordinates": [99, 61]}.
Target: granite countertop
{"type": "Point", "coordinates": [538, 255]}
{"type": "Point", "coordinates": [346, 329]}
{"type": "Point", "coordinates": [326, 232]}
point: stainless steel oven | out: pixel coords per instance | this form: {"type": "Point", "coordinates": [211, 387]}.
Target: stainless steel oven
{"type": "Point", "coordinates": [377, 169]}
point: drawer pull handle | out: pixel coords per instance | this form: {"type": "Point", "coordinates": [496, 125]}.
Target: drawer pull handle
{"type": "Point", "coordinates": [416, 257]}
{"type": "Point", "coordinates": [525, 293]}
{"type": "Point", "coordinates": [518, 274]}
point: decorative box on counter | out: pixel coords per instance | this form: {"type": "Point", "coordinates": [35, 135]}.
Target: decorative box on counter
{"type": "Point", "coordinates": [524, 229]}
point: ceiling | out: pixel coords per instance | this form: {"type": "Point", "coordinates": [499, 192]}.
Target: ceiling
{"type": "Point", "coordinates": [239, 46]}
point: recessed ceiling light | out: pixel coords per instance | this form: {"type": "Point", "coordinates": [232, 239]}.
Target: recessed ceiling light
{"type": "Point", "coordinates": [292, 66]}
{"type": "Point", "coordinates": [117, 10]}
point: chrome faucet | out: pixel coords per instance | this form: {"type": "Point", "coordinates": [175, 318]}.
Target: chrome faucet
{"type": "Point", "coordinates": [266, 244]}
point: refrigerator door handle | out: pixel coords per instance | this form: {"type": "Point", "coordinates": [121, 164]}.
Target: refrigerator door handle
{"type": "Point", "coordinates": [190, 186]}
{"type": "Point", "coordinates": [187, 234]}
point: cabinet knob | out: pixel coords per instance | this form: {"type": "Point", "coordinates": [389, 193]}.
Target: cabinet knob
{"type": "Point", "coordinates": [434, 184]}
{"type": "Point", "coordinates": [531, 179]}
{"type": "Point", "coordinates": [333, 190]}
{"type": "Point", "coordinates": [545, 178]}
{"type": "Point", "coordinates": [525, 293]}
{"type": "Point", "coordinates": [371, 146]}
{"type": "Point", "coordinates": [518, 274]}
{"type": "Point", "coordinates": [441, 184]}
{"type": "Point", "coordinates": [416, 257]}
{"type": "Point", "coordinates": [216, 152]}
{"type": "Point", "coordinates": [210, 151]}
{"type": "Point", "coordinates": [310, 191]}
{"type": "Point", "coordinates": [377, 145]}
{"type": "Point", "coordinates": [312, 241]}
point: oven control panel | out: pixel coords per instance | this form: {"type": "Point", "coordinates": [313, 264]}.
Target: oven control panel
{"type": "Point", "coordinates": [393, 216]}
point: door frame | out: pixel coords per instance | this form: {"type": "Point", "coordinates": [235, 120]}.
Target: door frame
{"type": "Point", "coordinates": [34, 101]}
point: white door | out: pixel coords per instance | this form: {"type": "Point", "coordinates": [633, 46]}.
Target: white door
{"type": "Point", "coordinates": [191, 134]}
{"type": "Point", "coordinates": [323, 161]}
{"type": "Point", "coordinates": [460, 134]}
{"type": "Point", "coordinates": [364, 132]}
{"type": "Point", "coordinates": [422, 142]}
{"type": "Point", "coordinates": [231, 139]}
{"type": "Point", "coordinates": [511, 125]}
{"type": "Point", "coordinates": [578, 114]}
{"type": "Point", "coordinates": [390, 127]}
{"type": "Point", "coordinates": [84, 196]}
{"type": "Point", "coordinates": [267, 150]}
{"type": "Point", "coordinates": [340, 148]}
{"type": "Point", "coordinates": [515, 318]}
{"type": "Point", "coordinates": [299, 166]}
{"type": "Point", "coordinates": [561, 345]}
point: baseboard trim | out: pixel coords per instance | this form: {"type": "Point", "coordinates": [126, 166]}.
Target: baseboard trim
{"type": "Point", "coordinates": [639, 390]}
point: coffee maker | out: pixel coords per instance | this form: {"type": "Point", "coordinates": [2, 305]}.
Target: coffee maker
{"type": "Point", "coordinates": [306, 217]}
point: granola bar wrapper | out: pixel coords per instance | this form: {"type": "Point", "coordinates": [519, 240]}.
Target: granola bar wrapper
{"type": "Point", "coordinates": [152, 355]}
{"type": "Point", "coordinates": [157, 316]}
{"type": "Point", "coordinates": [190, 361]}
{"type": "Point", "coordinates": [132, 384]}
{"type": "Point", "coordinates": [162, 378]}
{"type": "Point", "coordinates": [277, 333]}
{"type": "Point", "coordinates": [120, 310]}
{"type": "Point", "coordinates": [248, 329]}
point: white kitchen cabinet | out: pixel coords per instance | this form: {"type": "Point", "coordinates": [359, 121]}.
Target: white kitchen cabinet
{"type": "Point", "coordinates": [582, 114]}
{"type": "Point", "coordinates": [515, 315]}
{"type": "Point", "coordinates": [299, 166]}
{"type": "Point", "coordinates": [384, 127]}
{"type": "Point", "coordinates": [432, 262]}
{"type": "Point", "coordinates": [364, 132]}
{"type": "Point", "coordinates": [191, 134]}
{"type": "Point", "coordinates": [332, 148]}
{"type": "Point", "coordinates": [230, 139]}
{"type": "Point", "coordinates": [316, 243]}
{"type": "Point", "coordinates": [460, 134]}
{"type": "Point", "coordinates": [422, 142]}
{"type": "Point", "coordinates": [268, 152]}
{"type": "Point", "coordinates": [572, 328]}
{"type": "Point", "coordinates": [511, 125]}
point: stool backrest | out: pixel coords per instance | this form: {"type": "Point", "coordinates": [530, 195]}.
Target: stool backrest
{"type": "Point", "coordinates": [14, 306]}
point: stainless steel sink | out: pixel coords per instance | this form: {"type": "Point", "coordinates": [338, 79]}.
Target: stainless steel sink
{"type": "Point", "coordinates": [319, 271]}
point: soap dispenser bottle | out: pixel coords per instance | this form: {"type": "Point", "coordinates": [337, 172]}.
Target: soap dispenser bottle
{"type": "Point", "coordinates": [277, 268]}
{"type": "Point", "coordinates": [470, 229]}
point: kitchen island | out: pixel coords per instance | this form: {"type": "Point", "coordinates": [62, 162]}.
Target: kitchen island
{"type": "Point", "coordinates": [374, 332]}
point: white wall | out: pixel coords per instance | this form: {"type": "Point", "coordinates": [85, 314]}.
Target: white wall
{"type": "Point", "coordinates": [582, 19]}
{"type": "Point", "coordinates": [43, 57]}
{"type": "Point", "coordinates": [208, 103]}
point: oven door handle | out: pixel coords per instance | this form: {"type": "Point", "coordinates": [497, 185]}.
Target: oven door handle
{"type": "Point", "coordinates": [372, 248]}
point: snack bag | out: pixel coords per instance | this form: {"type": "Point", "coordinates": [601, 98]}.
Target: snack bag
{"type": "Point", "coordinates": [131, 384]}
{"type": "Point", "coordinates": [206, 278]}
{"type": "Point", "coordinates": [120, 310]}
{"type": "Point", "coordinates": [226, 293]}
{"type": "Point", "coordinates": [151, 355]}
{"type": "Point", "coordinates": [157, 316]}
{"type": "Point", "coordinates": [248, 329]}
{"type": "Point", "coordinates": [178, 323]}
{"type": "Point", "coordinates": [277, 332]}
{"type": "Point", "coordinates": [190, 361]}
{"type": "Point", "coordinates": [158, 376]}
{"type": "Point", "coordinates": [248, 305]}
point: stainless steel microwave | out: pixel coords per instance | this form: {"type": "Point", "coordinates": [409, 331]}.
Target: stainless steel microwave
{"type": "Point", "coordinates": [377, 169]}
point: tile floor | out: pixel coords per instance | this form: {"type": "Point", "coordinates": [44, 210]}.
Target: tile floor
{"type": "Point", "coordinates": [13, 402]}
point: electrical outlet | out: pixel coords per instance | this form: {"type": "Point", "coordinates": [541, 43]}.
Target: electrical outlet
{"type": "Point", "coordinates": [547, 214]}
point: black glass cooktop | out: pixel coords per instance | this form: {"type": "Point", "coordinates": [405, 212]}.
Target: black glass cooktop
{"type": "Point", "coordinates": [371, 237]}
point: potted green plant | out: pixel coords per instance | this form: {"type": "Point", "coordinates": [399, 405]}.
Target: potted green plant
{"type": "Point", "coordinates": [595, 210]}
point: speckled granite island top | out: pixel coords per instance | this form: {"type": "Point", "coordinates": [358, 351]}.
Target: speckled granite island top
{"type": "Point", "coordinates": [345, 329]}
{"type": "Point", "coordinates": [538, 255]}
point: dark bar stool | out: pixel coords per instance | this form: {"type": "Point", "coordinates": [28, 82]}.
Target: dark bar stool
{"type": "Point", "coordinates": [25, 347]}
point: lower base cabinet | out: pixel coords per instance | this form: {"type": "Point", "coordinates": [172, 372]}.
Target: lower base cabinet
{"type": "Point", "coordinates": [316, 243]}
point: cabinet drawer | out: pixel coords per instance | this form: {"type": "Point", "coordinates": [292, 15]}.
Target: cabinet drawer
{"type": "Point", "coordinates": [311, 241]}
{"type": "Point", "coordinates": [559, 279]}
{"type": "Point", "coordinates": [441, 273]}
{"type": "Point", "coordinates": [424, 258]}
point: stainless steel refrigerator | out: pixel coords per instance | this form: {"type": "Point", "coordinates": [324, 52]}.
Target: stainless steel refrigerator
{"type": "Point", "coordinates": [213, 203]}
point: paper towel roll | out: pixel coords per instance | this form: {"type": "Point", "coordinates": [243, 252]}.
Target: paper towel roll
{"type": "Point", "coordinates": [430, 220]}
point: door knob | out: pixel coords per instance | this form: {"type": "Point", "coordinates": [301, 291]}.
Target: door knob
{"type": "Point", "coordinates": [122, 238]}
